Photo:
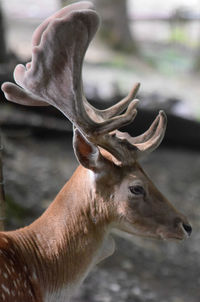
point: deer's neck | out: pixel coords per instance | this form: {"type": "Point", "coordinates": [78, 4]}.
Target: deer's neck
{"type": "Point", "coordinates": [68, 239]}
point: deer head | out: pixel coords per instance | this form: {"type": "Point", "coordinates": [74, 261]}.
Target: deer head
{"type": "Point", "coordinates": [108, 157]}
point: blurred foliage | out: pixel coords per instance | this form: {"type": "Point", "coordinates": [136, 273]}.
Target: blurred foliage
{"type": "Point", "coordinates": [168, 60]}
{"type": "Point", "coordinates": [178, 34]}
{"type": "Point", "coordinates": [115, 30]}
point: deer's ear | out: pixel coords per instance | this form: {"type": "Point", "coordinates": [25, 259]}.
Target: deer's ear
{"type": "Point", "coordinates": [87, 154]}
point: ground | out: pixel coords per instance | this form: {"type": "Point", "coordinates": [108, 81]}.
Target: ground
{"type": "Point", "coordinates": [141, 269]}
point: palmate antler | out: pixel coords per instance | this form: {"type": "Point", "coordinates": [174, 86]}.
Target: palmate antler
{"type": "Point", "coordinates": [54, 76]}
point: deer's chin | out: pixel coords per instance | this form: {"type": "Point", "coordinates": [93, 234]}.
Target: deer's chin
{"type": "Point", "coordinates": [176, 235]}
{"type": "Point", "coordinates": [161, 233]}
{"type": "Point", "coordinates": [139, 232]}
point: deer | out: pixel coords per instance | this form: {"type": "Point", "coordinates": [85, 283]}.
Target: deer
{"type": "Point", "coordinates": [49, 259]}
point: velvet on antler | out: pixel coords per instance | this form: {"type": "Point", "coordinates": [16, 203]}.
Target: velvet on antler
{"type": "Point", "coordinates": [54, 76]}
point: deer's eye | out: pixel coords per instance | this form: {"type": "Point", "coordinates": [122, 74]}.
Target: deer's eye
{"type": "Point", "coordinates": [137, 190]}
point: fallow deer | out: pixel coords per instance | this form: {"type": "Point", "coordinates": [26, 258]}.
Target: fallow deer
{"type": "Point", "coordinates": [49, 259]}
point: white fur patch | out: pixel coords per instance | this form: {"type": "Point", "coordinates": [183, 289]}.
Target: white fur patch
{"type": "Point", "coordinates": [63, 295]}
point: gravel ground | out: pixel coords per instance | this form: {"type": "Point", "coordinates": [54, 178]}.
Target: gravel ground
{"type": "Point", "coordinates": [140, 270]}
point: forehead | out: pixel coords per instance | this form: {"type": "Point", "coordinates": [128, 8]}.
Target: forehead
{"type": "Point", "coordinates": [126, 173]}
{"type": "Point", "coordinates": [114, 172]}
{"type": "Point", "coordinates": [133, 171]}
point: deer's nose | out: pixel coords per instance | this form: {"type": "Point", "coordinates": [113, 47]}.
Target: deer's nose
{"type": "Point", "coordinates": [187, 228]}
{"type": "Point", "coordinates": [182, 222]}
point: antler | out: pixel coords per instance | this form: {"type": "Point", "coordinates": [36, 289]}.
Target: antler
{"type": "Point", "coordinates": [54, 77]}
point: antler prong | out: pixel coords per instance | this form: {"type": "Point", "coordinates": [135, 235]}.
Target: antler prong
{"type": "Point", "coordinates": [115, 109]}
{"type": "Point", "coordinates": [116, 121]}
{"type": "Point", "coordinates": [151, 139]}
{"type": "Point", "coordinates": [15, 94]}
{"type": "Point", "coordinates": [150, 132]}
{"type": "Point", "coordinates": [123, 104]}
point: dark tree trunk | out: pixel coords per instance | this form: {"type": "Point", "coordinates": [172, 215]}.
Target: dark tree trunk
{"type": "Point", "coordinates": [114, 29]}
{"type": "Point", "coordinates": [2, 195]}
{"type": "Point", "coordinates": [115, 25]}
{"type": "Point", "coordinates": [3, 50]}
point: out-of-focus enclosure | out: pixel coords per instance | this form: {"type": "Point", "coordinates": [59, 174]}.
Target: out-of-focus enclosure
{"type": "Point", "coordinates": [149, 41]}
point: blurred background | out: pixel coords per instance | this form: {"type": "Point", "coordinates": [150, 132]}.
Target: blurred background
{"type": "Point", "coordinates": [152, 42]}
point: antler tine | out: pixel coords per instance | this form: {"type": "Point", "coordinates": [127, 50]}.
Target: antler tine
{"type": "Point", "coordinates": [145, 143]}
{"type": "Point", "coordinates": [156, 134]}
{"type": "Point", "coordinates": [114, 122]}
{"type": "Point", "coordinates": [101, 115]}
{"type": "Point", "coordinates": [17, 95]}
{"type": "Point", "coordinates": [161, 119]}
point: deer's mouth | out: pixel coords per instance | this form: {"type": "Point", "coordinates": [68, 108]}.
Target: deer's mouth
{"type": "Point", "coordinates": [161, 233]}
{"type": "Point", "coordinates": [181, 233]}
